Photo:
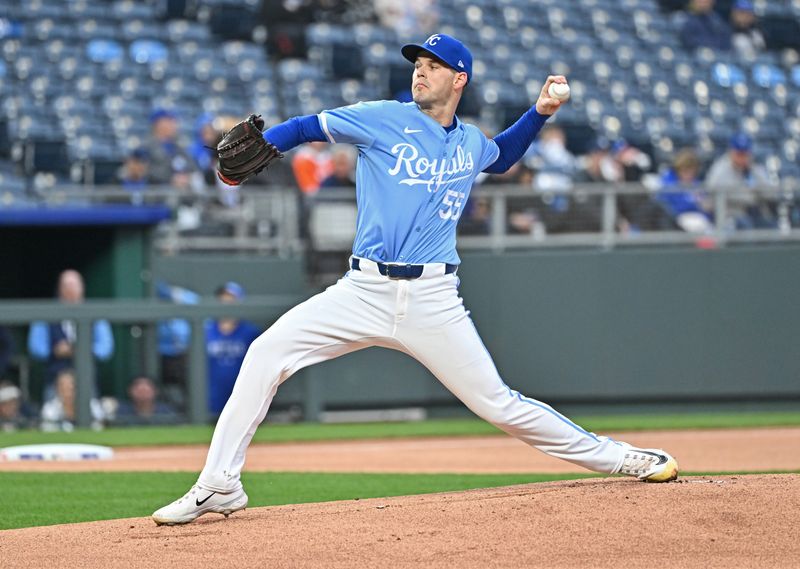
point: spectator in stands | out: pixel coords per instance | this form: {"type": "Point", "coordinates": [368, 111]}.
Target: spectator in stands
{"type": "Point", "coordinates": [202, 149]}
{"type": "Point", "coordinates": [134, 175]}
{"type": "Point", "coordinates": [343, 168]}
{"type": "Point", "coordinates": [6, 349]}
{"type": "Point", "coordinates": [559, 208]}
{"type": "Point", "coordinates": [553, 164]}
{"type": "Point", "coordinates": [476, 218]}
{"type": "Point", "coordinates": [170, 163]}
{"type": "Point", "coordinates": [633, 162]}
{"type": "Point", "coordinates": [59, 412]}
{"type": "Point", "coordinates": [174, 336]}
{"type": "Point", "coordinates": [682, 195]}
{"type": "Point", "coordinates": [705, 28]}
{"type": "Point", "coordinates": [518, 175]}
{"type": "Point", "coordinates": [311, 164]}
{"type": "Point", "coordinates": [14, 413]}
{"type": "Point", "coordinates": [739, 177]}
{"type": "Point", "coordinates": [227, 340]}
{"type": "Point", "coordinates": [143, 406]}
{"type": "Point", "coordinates": [636, 211]}
{"type": "Point", "coordinates": [747, 39]}
{"type": "Point", "coordinates": [598, 165]}
{"type": "Point", "coordinates": [55, 342]}
{"type": "Point", "coordinates": [409, 17]}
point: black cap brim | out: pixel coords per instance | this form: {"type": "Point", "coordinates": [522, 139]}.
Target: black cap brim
{"type": "Point", "coordinates": [411, 50]}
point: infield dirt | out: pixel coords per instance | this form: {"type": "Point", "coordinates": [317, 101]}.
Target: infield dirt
{"type": "Point", "coordinates": [719, 450]}
{"type": "Point", "coordinates": [703, 522]}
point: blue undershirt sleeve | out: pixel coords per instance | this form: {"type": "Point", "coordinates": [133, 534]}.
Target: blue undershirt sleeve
{"type": "Point", "coordinates": [295, 132]}
{"type": "Point", "coordinates": [515, 140]}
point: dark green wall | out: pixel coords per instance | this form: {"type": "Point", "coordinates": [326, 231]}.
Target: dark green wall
{"type": "Point", "coordinates": [109, 257]}
{"type": "Point", "coordinates": [259, 274]}
{"type": "Point", "coordinates": [580, 326]}
{"type": "Point", "coordinates": [643, 324]}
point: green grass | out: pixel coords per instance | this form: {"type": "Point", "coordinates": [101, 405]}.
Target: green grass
{"type": "Point", "coordinates": [147, 436]}
{"type": "Point", "coordinates": [35, 499]}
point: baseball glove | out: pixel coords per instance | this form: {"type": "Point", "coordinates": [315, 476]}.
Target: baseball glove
{"type": "Point", "coordinates": [243, 152]}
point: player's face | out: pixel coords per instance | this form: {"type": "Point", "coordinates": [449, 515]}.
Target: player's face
{"type": "Point", "coordinates": [433, 81]}
{"type": "Point", "coordinates": [70, 287]}
{"type": "Point", "coordinates": [741, 159]}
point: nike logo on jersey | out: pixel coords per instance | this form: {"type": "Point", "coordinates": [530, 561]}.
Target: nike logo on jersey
{"type": "Point", "coordinates": [201, 502]}
{"type": "Point", "coordinates": [433, 173]}
{"type": "Point", "coordinates": [410, 131]}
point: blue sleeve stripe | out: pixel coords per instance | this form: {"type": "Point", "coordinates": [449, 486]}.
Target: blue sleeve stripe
{"type": "Point", "coordinates": [295, 132]}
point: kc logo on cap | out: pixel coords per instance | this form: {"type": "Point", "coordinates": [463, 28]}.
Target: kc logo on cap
{"type": "Point", "coordinates": [446, 48]}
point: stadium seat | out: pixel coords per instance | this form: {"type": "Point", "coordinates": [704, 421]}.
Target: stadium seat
{"type": "Point", "coordinates": [726, 75]}
{"type": "Point", "coordinates": [767, 76]}
{"type": "Point", "coordinates": [101, 50]}
{"type": "Point", "coordinates": [44, 155]}
{"type": "Point", "coordinates": [147, 51]}
{"type": "Point", "coordinates": [97, 29]}
{"type": "Point", "coordinates": [795, 75]}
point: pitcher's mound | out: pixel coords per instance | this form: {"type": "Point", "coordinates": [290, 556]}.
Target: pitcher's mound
{"type": "Point", "coordinates": [717, 521]}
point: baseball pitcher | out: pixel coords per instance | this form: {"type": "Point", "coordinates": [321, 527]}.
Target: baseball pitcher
{"type": "Point", "coordinates": [416, 164]}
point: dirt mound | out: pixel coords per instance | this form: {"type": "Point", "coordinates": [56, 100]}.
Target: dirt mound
{"type": "Point", "coordinates": [719, 521]}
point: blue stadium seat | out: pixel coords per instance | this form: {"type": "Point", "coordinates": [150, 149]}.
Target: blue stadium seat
{"type": "Point", "coordinates": [97, 28]}
{"type": "Point", "coordinates": [124, 10]}
{"type": "Point", "coordinates": [185, 30]}
{"type": "Point", "coordinates": [45, 155]}
{"type": "Point", "coordinates": [148, 51]}
{"type": "Point", "coordinates": [101, 50]}
{"type": "Point", "coordinates": [766, 76]}
{"type": "Point", "coordinates": [87, 10]}
{"type": "Point", "coordinates": [795, 75]}
{"type": "Point", "coordinates": [726, 74]}
{"type": "Point", "coordinates": [13, 189]}
{"type": "Point", "coordinates": [48, 29]}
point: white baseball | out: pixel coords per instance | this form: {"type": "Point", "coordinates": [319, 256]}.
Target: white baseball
{"type": "Point", "coordinates": [558, 91]}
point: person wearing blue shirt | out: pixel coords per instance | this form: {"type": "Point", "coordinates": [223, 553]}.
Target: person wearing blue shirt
{"type": "Point", "coordinates": [227, 341]}
{"type": "Point", "coordinates": [682, 194]}
{"type": "Point", "coordinates": [54, 342]}
{"type": "Point", "coordinates": [417, 162]}
{"type": "Point", "coordinates": [704, 27]}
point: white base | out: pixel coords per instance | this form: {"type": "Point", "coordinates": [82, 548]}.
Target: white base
{"type": "Point", "coordinates": [56, 452]}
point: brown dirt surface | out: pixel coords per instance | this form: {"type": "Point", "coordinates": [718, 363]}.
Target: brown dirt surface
{"type": "Point", "coordinates": [708, 522]}
{"type": "Point", "coordinates": [731, 450]}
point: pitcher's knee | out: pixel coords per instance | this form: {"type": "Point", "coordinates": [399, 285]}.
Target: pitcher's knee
{"type": "Point", "coordinates": [496, 415]}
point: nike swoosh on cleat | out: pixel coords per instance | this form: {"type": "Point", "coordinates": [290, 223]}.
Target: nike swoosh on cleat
{"type": "Point", "coordinates": [661, 458]}
{"type": "Point", "coordinates": [200, 503]}
{"type": "Point", "coordinates": [410, 131]}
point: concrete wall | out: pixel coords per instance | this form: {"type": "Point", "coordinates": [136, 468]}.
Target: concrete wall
{"type": "Point", "coordinates": [591, 327]}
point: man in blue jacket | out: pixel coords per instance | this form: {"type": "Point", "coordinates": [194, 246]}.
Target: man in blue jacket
{"type": "Point", "coordinates": [54, 342]}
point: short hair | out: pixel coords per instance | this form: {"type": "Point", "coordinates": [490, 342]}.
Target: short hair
{"type": "Point", "coordinates": [685, 159]}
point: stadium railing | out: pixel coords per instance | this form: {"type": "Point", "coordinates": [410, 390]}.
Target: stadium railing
{"type": "Point", "coordinates": [276, 220]}
{"type": "Point", "coordinates": [148, 312]}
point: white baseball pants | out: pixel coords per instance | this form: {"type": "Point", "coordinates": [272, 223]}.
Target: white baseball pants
{"type": "Point", "coordinates": [424, 318]}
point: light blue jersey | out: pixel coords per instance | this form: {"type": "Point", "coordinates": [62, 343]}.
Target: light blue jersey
{"type": "Point", "coordinates": [413, 178]}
